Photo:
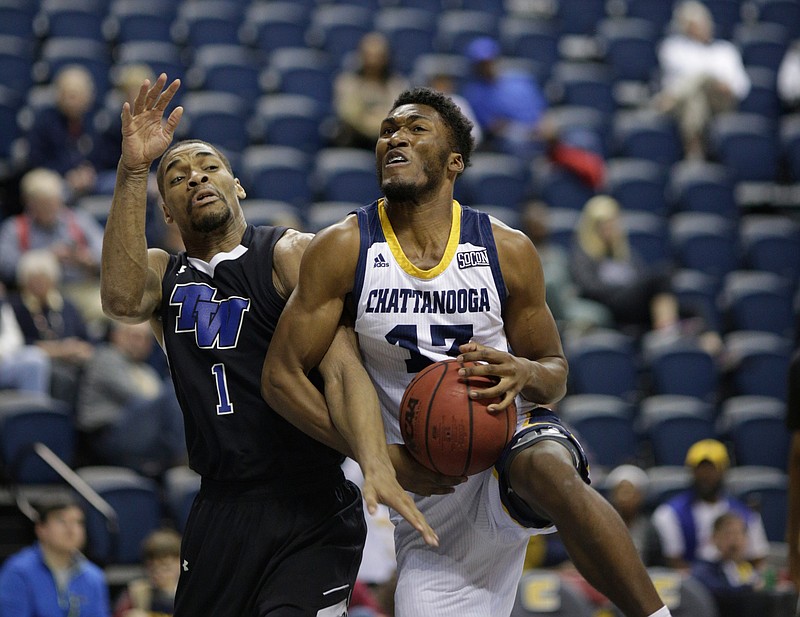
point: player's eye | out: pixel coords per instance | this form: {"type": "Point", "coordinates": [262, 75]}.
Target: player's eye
{"type": "Point", "coordinates": [176, 179]}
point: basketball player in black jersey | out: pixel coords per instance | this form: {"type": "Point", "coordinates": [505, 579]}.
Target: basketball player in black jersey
{"type": "Point", "coordinates": [276, 529]}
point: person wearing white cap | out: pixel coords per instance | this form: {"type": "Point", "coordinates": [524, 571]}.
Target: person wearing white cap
{"type": "Point", "coordinates": [685, 521]}
{"type": "Point", "coordinates": [627, 490]}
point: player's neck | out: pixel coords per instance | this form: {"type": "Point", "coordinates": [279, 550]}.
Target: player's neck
{"type": "Point", "coordinates": [206, 246]}
{"type": "Point", "coordinates": [422, 230]}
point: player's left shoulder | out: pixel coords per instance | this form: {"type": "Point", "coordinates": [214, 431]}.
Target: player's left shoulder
{"type": "Point", "coordinates": [510, 240]}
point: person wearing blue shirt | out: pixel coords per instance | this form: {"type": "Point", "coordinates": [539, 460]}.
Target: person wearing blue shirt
{"type": "Point", "coordinates": [52, 578]}
{"type": "Point", "coordinates": [507, 103]}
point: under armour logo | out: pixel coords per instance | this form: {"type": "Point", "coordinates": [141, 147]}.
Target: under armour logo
{"type": "Point", "coordinates": [182, 270]}
{"type": "Point", "coordinates": [185, 565]}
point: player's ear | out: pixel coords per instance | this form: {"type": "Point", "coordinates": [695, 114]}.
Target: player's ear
{"type": "Point", "coordinates": [167, 215]}
{"type": "Point", "coordinates": [456, 163]}
{"type": "Point", "coordinates": [240, 192]}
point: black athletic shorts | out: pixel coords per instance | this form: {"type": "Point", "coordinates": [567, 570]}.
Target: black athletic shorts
{"type": "Point", "coordinates": [255, 551]}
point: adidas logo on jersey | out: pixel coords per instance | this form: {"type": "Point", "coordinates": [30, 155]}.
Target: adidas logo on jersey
{"type": "Point", "coordinates": [380, 262]}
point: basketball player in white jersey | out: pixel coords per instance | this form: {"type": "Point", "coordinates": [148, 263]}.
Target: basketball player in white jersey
{"type": "Point", "coordinates": [425, 279]}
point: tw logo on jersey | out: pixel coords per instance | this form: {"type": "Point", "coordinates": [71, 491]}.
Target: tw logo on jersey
{"type": "Point", "coordinates": [216, 323]}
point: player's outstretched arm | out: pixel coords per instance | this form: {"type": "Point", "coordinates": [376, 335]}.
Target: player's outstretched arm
{"type": "Point", "coordinates": [130, 276]}
{"type": "Point", "coordinates": [306, 337]}
{"type": "Point", "coordinates": [537, 369]}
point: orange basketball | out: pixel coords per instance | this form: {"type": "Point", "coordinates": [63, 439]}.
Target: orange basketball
{"type": "Point", "coordinates": [447, 431]}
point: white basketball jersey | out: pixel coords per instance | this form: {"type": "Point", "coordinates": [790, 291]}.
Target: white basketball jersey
{"type": "Point", "coordinates": [407, 318]}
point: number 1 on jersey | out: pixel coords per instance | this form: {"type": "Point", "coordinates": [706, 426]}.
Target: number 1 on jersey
{"type": "Point", "coordinates": [225, 406]}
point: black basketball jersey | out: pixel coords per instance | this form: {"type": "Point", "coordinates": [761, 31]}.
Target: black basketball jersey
{"type": "Point", "coordinates": [218, 320]}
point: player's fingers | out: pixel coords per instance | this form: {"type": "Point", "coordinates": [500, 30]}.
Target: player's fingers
{"type": "Point", "coordinates": [173, 120]}
{"type": "Point", "coordinates": [495, 408]}
{"type": "Point", "coordinates": [370, 499]}
{"type": "Point", "coordinates": [138, 102]}
{"type": "Point", "coordinates": [154, 92]}
{"type": "Point", "coordinates": [166, 96]}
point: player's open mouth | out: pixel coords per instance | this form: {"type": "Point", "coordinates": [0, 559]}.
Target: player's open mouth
{"type": "Point", "coordinates": [204, 197]}
{"type": "Point", "coordinates": [394, 159]}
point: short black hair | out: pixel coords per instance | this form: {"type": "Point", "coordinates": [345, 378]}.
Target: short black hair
{"type": "Point", "coordinates": [185, 142]}
{"type": "Point", "coordinates": [47, 505]}
{"type": "Point", "coordinates": [458, 125]}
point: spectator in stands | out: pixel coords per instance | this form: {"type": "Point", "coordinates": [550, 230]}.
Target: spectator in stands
{"type": "Point", "coordinates": [572, 313]}
{"type": "Point", "coordinates": [507, 103]}
{"type": "Point", "coordinates": [627, 490]}
{"type": "Point", "coordinates": [22, 367]}
{"type": "Point", "coordinates": [700, 76]}
{"type": "Point", "coordinates": [47, 223]}
{"type": "Point", "coordinates": [362, 95]}
{"type": "Point", "coordinates": [789, 78]}
{"type": "Point", "coordinates": [62, 137]}
{"type": "Point", "coordinates": [728, 574]}
{"type": "Point", "coordinates": [606, 269]}
{"type": "Point", "coordinates": [51, 322]}
{"type": "Point", "coordinates": [154, 595]}
{"type": "Point", "coordinates": [52, 578]}
{"type": "Point", "coordinates": [129, 412]}
{"type": "Point", "coordinates": [685, 522]}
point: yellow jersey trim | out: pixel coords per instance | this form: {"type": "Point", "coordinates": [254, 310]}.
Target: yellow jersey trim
{"type": "Point", "coordinates": [400, 256]}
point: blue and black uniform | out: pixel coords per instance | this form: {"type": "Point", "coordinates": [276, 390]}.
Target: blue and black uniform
{"type": "Point", "coordinates": [276, 529]}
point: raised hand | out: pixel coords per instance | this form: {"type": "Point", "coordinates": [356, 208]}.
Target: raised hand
{"type": "Point", "coordinates": [145, 135]}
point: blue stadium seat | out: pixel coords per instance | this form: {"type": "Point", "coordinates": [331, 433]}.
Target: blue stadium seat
{"type": "Point", "coordinates": [139, 20]}
{"type": "Point", "coordinates": [645, 134]}
{"type": "Point", "coordinates": [456, 28]}
{"type": "Point", "coordinates": [628, 45]}
{"type": "Point", "coordinates": [72, 18]}
{"type": "Point", "coordinates": [758, 363]}
{"type": "Point", "coordinates": [580, 16]}
{"type": "Point", "coordinates": [697, 296]}
{"type": "Point", "coordinates": [532, 39]}
{"type": "Point", "coordinates": [705, 242]}
{"type": "Point", "coordinates": [604, 425]}
{"type": "Point", "coordinates": [273, 212]}
{"type": "Point", "coordinates": [680, 366]}
{"type": "Point", "coordinates": [583, 84]}
{"type": "Point", "coordinates": [790, 145]}
{"type": "Point", "coordinates": [27, 418]}
{"type": "Point", "coordinates": [219, 118]}
{"type": "Point", "coordinates": [560, 188]}
{"type": "Point", "coordinates": [338, 28]}
{"type": "Point", "coordinates": [672, 423]}
{"type": "Point", "coordinates": [747, 144]}
{"type": "Point", "coordinates": [496, 179]}
{"type": "Point", "coordinates": [762, 43]}
{"type": "Point", "coordinates": [321, 214]}
{"type": "Point", "coordinates": [763, 96]}
{"type": "Point", "coordinates": [137, 503]}
{"type": "Point", "coordinates": [603, 362]}
{"type": "Point", "coordinates": [275, 25]}
{"type": "Point", "coordinates": [648, 235]}
{"type": "Point", "coordinates": [278, 173]}
{"type": "Point", "coordinates": [57, 52]}
{"type": "Point", "coordinates": [639, 185]}
{"type": "Point", "coordinates": [657, 12]}
{"type": "Point", "coordinates": [16, 18]}
{"type": "Point", "coordinates": [410, 32]}
{"type": "Point", "coordinates": [765, 490]}
{"type": "Point", "coordinates": [756, 428]}
{"type": "Point", "coordinates": [302, 71]}
{"type": "Point", "coordinates": [161, 57]}
{"type": "Point", "coordinates": [427, 66]}
{"type": "Point", "coordinates": [758, 300]}
{"type": "Point", "coordinates": [225, 68]}
{"type": "Point", "coordinates": [772, 243]}
{"type": "Point", "coordinates": [208, 22]}
{"type": "Point", "coordinates": [783, 12]}
{"type": "Point", "coordinates": [727, 14]}
{"type": "Point", "coordinates": [10, 104]}
{"type": "Point", "coordinates": [16, 63]}
{"type": "Point", "coordinates": [345, 174]}
{"type": "Point", "coordinates": [701, 186]}
{"type": "Point", "coordinates": [291, 120]}
{"type": "Point", "coordinates": [561, 224]}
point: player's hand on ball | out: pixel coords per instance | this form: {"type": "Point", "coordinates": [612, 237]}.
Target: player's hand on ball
{"type": "Point", "coordinates": [511, 372]}
{"type": "Point", "coordinates": [419, 479]}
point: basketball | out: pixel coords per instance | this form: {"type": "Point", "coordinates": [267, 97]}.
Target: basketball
{"type": "Point", "coordinates": [447, 431]}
